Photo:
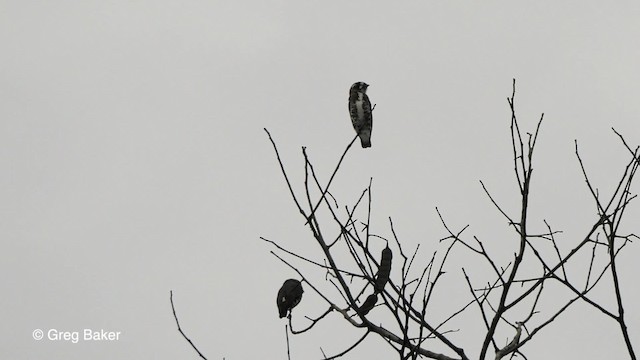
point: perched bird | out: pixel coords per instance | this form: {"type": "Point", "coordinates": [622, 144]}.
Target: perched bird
{"type": "Point", "coordinates": [289, 296]}
{"type": "Point", "coordinates": [360, 111]}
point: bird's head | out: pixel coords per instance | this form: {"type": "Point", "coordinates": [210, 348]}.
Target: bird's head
{"type": "Point", "coordinates": [359, 87]}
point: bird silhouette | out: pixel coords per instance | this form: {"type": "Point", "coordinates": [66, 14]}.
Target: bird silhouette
{"type": "Point", "coordinates": [360, 111]}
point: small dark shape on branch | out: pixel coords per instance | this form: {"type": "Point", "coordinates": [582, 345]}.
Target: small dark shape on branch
{"type": "Point", "coordinates": [368, 304]}
{"type": "Point", "coordinates": [384, 270]}
{"type": "Point", "coordinates": [289, 296]}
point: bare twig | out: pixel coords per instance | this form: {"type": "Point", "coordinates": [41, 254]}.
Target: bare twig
{"type": "Point", "coordinates": [180, 329]}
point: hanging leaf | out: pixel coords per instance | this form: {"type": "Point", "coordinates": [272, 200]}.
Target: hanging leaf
{"type": "Point", "coordinates": [289, 296]}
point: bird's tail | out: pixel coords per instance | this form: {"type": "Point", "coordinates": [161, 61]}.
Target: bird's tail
{"type": "Point", "coordinates": [365, 139]}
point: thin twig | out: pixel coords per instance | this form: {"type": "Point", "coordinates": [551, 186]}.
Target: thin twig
{"type": "Point", "coordinates": [180, 329]}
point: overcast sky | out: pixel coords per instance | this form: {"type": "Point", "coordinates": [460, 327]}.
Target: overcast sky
{"type": "Point", "coordinates": [133, 158]}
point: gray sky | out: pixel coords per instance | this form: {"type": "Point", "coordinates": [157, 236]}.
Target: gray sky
{"type": "Point", "coordinates": [133, 159]}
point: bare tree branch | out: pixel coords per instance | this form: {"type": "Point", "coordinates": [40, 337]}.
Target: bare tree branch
{"type": "Point", "coordinates": [180, 329]}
